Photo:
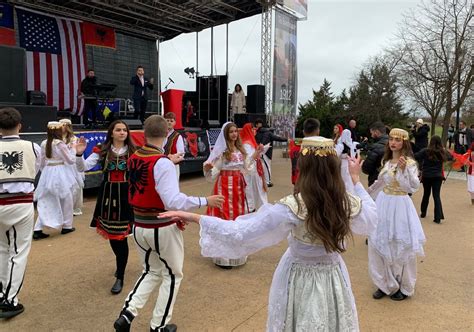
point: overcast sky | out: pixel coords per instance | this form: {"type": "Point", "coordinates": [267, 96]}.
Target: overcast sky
{"type": "Point", "coordinates": [333, 43]}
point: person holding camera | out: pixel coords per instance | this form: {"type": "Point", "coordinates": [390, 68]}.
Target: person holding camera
{"type": "Point", "coordinates": [420, 132]}
{"type": "Point", "coordinates": [375, 151]}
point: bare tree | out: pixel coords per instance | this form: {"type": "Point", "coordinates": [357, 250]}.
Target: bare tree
{"type": "Point", "coordinates": [438, 52]}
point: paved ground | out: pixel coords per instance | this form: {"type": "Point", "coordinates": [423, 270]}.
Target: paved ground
{"type": "Point", "coordinates": [67, 285]}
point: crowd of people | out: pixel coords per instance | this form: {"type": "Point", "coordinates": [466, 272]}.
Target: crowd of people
{"type": "Point", "coordinates": [140, 195]}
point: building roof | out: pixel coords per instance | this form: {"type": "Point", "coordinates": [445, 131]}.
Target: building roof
{"type": "Point", "coordinates": [153, 19]}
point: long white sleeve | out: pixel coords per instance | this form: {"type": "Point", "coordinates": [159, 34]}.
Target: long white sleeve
{"type": "Point", "coordinates": [365, 223]}
{"type": "Point", "coordinates": [212, 174]}
{"type": "Point", "coordinates": [250, 162]}
{"type": "Point", "coordinates": [68, 155]}
{"type": "Point", "coordinates": [89, 163]}
{"type": "Point", "coordinates": [247, 234]}
{"type": "Point", "coordinates": [167, 186]}
{"type": "Point", "coordinates": [408, 179]}
{"type": "Point", "coordinates": [180, 144]}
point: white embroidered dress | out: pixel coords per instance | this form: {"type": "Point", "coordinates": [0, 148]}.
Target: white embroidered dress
{"type": "Point", "coordinates": [255, 190]}
{"type": "Point", "coordinates": [311, 290]}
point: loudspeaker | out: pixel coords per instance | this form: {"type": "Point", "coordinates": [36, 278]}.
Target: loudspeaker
{"type": "Point", "coordinates": [241, 119]}
{"type": "Point", "coordinates": [256, 98]}
{"type": "Point", "coordinates": [133, 123]}
{"type": "Point", "coordinates": [212, 98]}
{"type": "Point", "coordinates": [35, 118]}
{"type": "Point", "coordinates": [13, 69]}
{"type": "Point", "coordinates": [36, 98]}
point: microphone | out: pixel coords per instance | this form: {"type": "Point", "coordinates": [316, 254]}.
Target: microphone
{"type": "Point", "coordinates": [170, 79]}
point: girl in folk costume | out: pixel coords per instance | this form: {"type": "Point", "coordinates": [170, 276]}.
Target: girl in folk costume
{"type": "Point", "coordinates": [344, 149]}
{"type": "Point", "coordinates": [256, 189]}
{"type": "Point", "coordinates": [227, 164]}
{"type": "Point", "coordinates": [399, 237]}
{"type": "Point", "coordinates": [311, 290]}
{"type": "Point", "coordinates": [69, 138]}
{"type": "Point", "coordinates": [113, 214]}
{"type": "Point", "coordinates": [58, 183]}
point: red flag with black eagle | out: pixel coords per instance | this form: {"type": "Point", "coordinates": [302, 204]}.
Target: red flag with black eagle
{"type": "Point", "coordinates": [98, 35]}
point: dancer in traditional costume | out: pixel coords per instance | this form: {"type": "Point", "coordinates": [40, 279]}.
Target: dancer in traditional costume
{"type": "Point", "coordinates": [154, 188]}
{"type": "Point", "coordinates": [344, 148]}
{"type": "Point", "coordinates": [226, 165]}
{"type": "Point", "coordinates": [19, 165]}
{"type": "Point", "coordinates": [174, 143]}
{"type": "Point", "coordinates": [113, 215]}
{"type": "Point", "coordinates": [311, 289]}
{"type": "Point", "coordinates": [69, 138]}
{"type": "Point", "coordinates": [399, 237]}
{"type": "Point", "coordinates": [256, 189]}
{"type": "Point", "coordinates": [58, 183]}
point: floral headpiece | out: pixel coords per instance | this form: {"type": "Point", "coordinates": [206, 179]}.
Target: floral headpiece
{"type": "Point", "coordinates": [399, 133]}
{"type": "Point", "coordinates": [318, 146]}
{"type": "Point", "coordinates": [65, 121]}
{"type": "Point", "coordinates": [55, 125]}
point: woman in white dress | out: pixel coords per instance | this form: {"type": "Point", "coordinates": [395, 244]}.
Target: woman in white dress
{"type": "Point", "coordinates": [256, 189]}
{"type": "Point", "coordinates": [399, 237]}
{"type": "Point", "coordinates": [311, 290]}
{"type": "Point", "coordinates": [57, 184]}
{"type": "Point", "coordinates": [344, 149]}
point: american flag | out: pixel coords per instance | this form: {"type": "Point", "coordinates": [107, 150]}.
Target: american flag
{"type": "Point", "coordinates": [55, 57]}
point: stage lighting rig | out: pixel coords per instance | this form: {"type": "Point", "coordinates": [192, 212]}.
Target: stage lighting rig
{"type": "Point", "coordinates": [189, 71]}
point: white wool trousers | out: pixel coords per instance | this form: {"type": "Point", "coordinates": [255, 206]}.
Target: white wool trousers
{"type": "Point", "coordinates": [16, 230]}
{"type": "Point", "coordinates": [162, 254]}
{"type": "Point", "coordinates": [267, 168]}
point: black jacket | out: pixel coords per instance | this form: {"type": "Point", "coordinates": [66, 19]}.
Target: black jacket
{"type": "Point", "coordinates": [421, 137]}
{"type": "Point", "coordinates": [88, 86]}
{"type": "Point", "coordinates": [468, 139]}
{"type": "Point", "coordinates": [265, 136]}
{"type": "Point", "coordinates": [373, 162]}
{"type": "Point", "coordinates": [138, 88]}
{"type": "Point", "coordinates": [430, 168]}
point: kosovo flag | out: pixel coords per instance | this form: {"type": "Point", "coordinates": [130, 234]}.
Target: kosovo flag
{"type": "Point", "coordinates": [106, 112]}
{"type": "Point", "coordinates": [98, 35]}
{"type": "Point", "coordinates": [7, 32]}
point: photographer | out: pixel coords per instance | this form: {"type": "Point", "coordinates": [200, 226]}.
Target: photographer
{"type": "Point", "coordinates": [420, 133]}
{"type": "Point", "coordinates": [375, 151]}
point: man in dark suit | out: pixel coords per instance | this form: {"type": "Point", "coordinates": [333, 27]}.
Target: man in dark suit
{"type": "Point", "coordinates": [88, 89]}
{"type": "Point", "coordinates": [140, 96]}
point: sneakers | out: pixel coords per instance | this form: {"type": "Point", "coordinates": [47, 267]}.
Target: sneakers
{"type": "Point", "coordinates": [167, 328]}
{"type": "Point", "coordinates": [8, 310]}
{"type": "Point", "coordinates": [122, 324]}
{"type": "Point", "coordinates": [77, 212]}
{"type": "Point", "coordinates": [67, 230]}
{"type": "Point", "coordinates": [38, 235]}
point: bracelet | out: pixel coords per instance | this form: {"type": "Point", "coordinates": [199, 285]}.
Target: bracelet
{"type": "Point", "coordinates": [79, 155]}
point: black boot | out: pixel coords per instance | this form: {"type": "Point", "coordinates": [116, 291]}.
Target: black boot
{"type": "Point", "coordinates": [117, 287]}
{"type": "Point", "coordinates": [8, 310]}
{"type": "Point", "coordinates": [38, 235]}
{"type": "Point", "coordinates": [378, 294]}
{"type": "Point", "coordinates": [67, 230]}
{"type": "Point", "coordinates": [167, 328]}
{"type": "Point", "coordinates": [398, 296]}
{"type": "Point", "coordinates": [123, 323]}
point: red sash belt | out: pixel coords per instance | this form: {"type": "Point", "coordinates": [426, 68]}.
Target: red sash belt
{"type": "Point", "coordinates": [10, 199]}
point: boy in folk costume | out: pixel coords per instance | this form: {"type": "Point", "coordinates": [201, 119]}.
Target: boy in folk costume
{"type": "Point", "coordinates": [154, 188]}
{"type": "Point", "coordinates": [69, 138]}
{"type": "Point", "coordinates": [173, 143]}
{"type": "Point", "coordinates": [18, 167]}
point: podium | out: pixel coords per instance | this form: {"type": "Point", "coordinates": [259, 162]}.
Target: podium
{"type": "Point", "coordinates": [173, 102]}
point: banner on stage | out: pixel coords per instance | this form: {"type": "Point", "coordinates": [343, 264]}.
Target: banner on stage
{"type": "Point", "coordinates": [284, 75]}
{"type": "Point", "coordinates": [104, 109]}
{"type": "Point", "coordinates": [298, 7]}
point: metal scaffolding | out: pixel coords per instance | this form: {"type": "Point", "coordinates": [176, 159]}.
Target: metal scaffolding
{"type": "Point", "coordinates": [266, 52]}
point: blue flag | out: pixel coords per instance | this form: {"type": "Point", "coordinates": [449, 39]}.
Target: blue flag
{"type": "Point", "coordinates": [6, 15]}
{"type": "Point", "coordinates": [92, 139]}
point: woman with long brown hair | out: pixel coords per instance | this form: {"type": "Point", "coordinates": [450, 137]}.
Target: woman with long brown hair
{"type": "Point", "coordinates": [113, 215]}
{"type": "Point", "coordinates": [227, 164]}
{"type": "Point", "coordinates": [311, 287]}
{"type": "Point", "coordinates": [57, 184]}
{"type": "Point", "coordinates": [399, 237]}
{"type": "Point", "coordinates": [431, 160]}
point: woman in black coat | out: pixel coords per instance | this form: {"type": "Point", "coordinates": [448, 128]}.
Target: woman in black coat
{"type": "Point", "coordinates": [431, 160]}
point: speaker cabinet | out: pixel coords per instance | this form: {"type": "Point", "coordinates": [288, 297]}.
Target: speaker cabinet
{"type": "Point", "coordinates": [13, 69]}
{"type": "Point", "coordinates": [133, 123]}
{"type": "Point", "coordinates": [255, 98]}
{"type": "Point", "coordinates": [212, 98]}
{"type": "Point", "coordinates": [34, 118]}
{"type": "Point", "coordinates": [241, 119]}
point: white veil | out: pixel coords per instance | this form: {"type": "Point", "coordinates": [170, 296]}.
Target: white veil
{"type": "Point", "coordinates": [219, 147]}
{"type": "Point", "coordinates": [346, 138]}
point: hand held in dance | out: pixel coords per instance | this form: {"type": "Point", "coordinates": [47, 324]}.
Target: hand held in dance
{"type": "Point", "coordinates": [402, 163]}
{"type": "Point", "coordinates": [355, 166]}
{"type": "Point", "coordinates": [184, 217]}
{"type": "Point", "coordinates": [215, 201]}
{"type": "Point", "coordinates": [80, 145]}
{"type": "Point", "coordinates": [176, 158]}
{"type": "Point", "coordinates": [208, 167]}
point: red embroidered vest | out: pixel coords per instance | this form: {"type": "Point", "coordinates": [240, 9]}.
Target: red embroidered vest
{"type": "Point", "coordinates": [142, 196]}
{"type": "Point", "coordinates": [170, 147]}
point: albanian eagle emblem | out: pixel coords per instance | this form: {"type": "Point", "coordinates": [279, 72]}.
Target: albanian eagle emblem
{"type": "Point", "coordinates": [138, 176]}
{"type": "Point", "coordinates": [10, 162]}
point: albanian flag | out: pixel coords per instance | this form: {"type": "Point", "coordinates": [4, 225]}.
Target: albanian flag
{"type": "Point", "coordinates": [98, 35]}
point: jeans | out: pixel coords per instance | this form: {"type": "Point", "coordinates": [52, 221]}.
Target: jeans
{"type": "Point", "coordinates": [432, 184]}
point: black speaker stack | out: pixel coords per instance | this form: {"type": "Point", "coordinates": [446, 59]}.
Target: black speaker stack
{"type": "Point", "coordinates": [212, 99]}
{"type": "Point", "coordinates": [35, 115]}
{"type": "Point", "coordinates": [255, 98]}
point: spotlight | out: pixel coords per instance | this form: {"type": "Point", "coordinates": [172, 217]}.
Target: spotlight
{"type": "Point", "coordinates": [190, 72]}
